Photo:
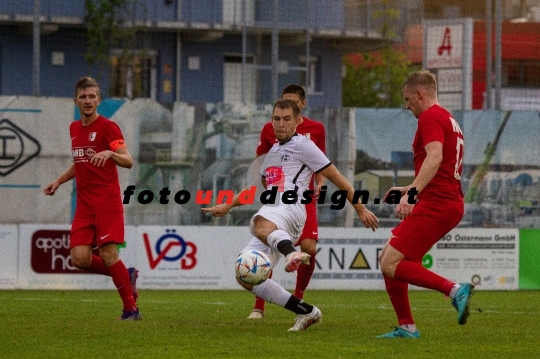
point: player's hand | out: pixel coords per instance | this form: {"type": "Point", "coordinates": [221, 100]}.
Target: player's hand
{"type": "Point", "coordinates": [99, 159]}
{"type": "Point", "coordinates": [218, 210]}
{"type": "Point", "coordinates": [404, 208]}
{"type": "Point", "coordinates": [318, 191]}
{"type": "Point", "coordinates": [402, 190]}
{"type": "Point", "coordinates": [369, 219]}
{"type": "Point", "coordinates": [50, 189]}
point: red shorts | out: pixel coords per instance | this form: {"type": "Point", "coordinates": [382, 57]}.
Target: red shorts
{"type": "Point", "coordinates": [311, 228]}
{"type": "Point", "coordinates": [97, 229]}
{"type": "Point", "coordinates": [426, 225]}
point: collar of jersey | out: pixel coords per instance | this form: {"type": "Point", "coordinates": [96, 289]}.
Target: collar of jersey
{"type": "Point", "coordinates": [284, 142]}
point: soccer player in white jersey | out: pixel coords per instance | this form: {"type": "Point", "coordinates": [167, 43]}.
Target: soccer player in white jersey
{"type": "Point", "coordinates": [275, 227]}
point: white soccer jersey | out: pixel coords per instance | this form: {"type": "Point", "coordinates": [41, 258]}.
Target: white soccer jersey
{"type": "Point", "coordinates": [290, 166]}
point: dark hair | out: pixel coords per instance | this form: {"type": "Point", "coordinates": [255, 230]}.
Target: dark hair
{"type": "Point", "coordinates": [85, 82]}
{"type": "Point", "coordinates": [295, 89]}
{"type": "Point", "coordinates": [285, 104]}
{"type": "Point", "coordinates": [422, 78]}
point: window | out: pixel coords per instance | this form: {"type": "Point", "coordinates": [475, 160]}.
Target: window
{"type": "Point", "coordinates": [521, 73]}
{"type": "Point", "coordinates": [133, 74]}
{"type": "Point", "coordinates": [312, 79]}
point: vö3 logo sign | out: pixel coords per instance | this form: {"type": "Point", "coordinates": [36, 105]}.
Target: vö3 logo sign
{"type": "Point", "coordinates": [170, 247]}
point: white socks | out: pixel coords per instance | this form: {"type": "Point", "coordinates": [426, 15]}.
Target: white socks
{"type": "Point", "coordinates": [271, 292]}
{"type": "Point", "coordinates": [454, 290]}
{"type": "Point", "coordinates": [277, 236]}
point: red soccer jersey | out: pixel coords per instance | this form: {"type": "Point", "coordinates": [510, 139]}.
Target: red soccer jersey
{"type": "Point", "coordinates": [313, 130]}
{"type": "Point", "coordinates": [98, 189]}
{"type": "Point", "coordinates": [437, 124]}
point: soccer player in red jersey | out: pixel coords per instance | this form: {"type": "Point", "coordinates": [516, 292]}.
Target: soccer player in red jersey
{"type": "Point", "coordinates": [98, 146]}
{"type": "Point", "coordinates": [316, 132]}
{"type": "Point", "coordinates": [438, 153]}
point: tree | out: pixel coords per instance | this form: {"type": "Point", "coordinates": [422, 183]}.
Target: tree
{"type": "Point", "coordinates": [375, 81]}
{"type": "Point", "coordinates": [112, 24]}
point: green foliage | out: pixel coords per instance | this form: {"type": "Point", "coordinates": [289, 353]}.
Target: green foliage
{"type": "Point", "coordinates": [377, 81]}
{"type": "Point", "coordinates": [103, 22]}
{"type": "Point", "coordinates": [213, 324]}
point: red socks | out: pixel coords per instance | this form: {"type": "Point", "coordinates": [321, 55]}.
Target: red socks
{"type": "Point", "coordinates": [398, 292]}
{"type": "Point", "coordinates": [97, 266]}
{"type": "Point", "coordinates": [304, 273]}
{"type": "Point", "coordinates": [416, 274]}
{"type": "Point", "coordinates": [121, 280]}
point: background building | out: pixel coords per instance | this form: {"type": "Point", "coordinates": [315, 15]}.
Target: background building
{"type": "Point", "coordinates": [191, 50]}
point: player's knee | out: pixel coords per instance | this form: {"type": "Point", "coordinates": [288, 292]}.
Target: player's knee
{"type": "Point", "coordinates": [388, 267]}
{"type": "Point", "coordinates": [309, 246]}
{"type": "Point", "coordinates": [80, 261]}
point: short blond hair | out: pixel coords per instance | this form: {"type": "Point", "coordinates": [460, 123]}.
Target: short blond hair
{"type": "Point", "coordinates": [85, 82]}
{"type": "Point", "coordinates": [421, 78]}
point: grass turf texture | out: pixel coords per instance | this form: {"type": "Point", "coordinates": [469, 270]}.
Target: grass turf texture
{"type": "Point", "coordinates": [213, 324]}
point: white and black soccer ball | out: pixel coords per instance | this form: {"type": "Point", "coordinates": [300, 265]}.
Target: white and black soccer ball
{"type": "Point", "coordinates": [252, 267]}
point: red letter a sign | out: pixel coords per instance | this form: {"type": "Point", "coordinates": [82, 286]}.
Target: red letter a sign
{"type": "Point", "coordinates": [446, 44]}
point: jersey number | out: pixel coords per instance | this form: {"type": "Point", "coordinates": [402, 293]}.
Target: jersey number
{"type": "Point", "coordinates": [459, 157]}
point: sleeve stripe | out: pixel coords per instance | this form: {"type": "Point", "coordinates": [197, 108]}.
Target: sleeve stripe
{"type": "Point", "coordinates": [116, 144]}
{"type": "Point", "coordinates": [329, 163]}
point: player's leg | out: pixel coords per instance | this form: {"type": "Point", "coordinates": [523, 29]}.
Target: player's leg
{"type": "Point", "coordinates": [82, 239]}
{"type": "Point", "coordinates": [272, 292]}
{"type": "Point", "coordinates": [110, 233]}
{"type": "Point", "coordinates": [398, 293]}
{"type": "Point", "coordinates": [268, 230]}
{"type": "Point", "coordinates": [258, 308]}
{"type": "Point", "coordinates": [308, 244]}
{"type": "Point", "coordinates": [411, 240]}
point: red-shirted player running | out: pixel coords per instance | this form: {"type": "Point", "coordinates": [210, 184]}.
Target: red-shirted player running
{"type": "Point", "coordinates": [438, 154]}
{"type": "Point", "coordinates": [98, 147]}
{"type": "Point", "coordinates": [308, 240]}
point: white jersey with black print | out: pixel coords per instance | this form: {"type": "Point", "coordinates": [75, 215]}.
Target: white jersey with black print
{"type": "Point", "coordinates": [290, 165]}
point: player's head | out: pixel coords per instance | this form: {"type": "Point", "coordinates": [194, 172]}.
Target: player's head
{"type": "Point", "coordinates": [285, 119]}
{"type": "Point", "coordinates": [420, 91]}
{"type": "Point", "coordinates": [86, 82]}
{"type": "Point", "coordinates": [87, 97]}
{"type": "Point", "coordinates": [295, 93]}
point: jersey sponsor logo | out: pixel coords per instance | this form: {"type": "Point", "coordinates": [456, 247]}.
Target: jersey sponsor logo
{"type": "Point", "coordinates": [81, 153]}
{"type": "Point", "coordinates": [92, 136]}
{"type": "Point", "coordinates": [89, 152]}
{"type": "Point", "coordinates": [275, 177]}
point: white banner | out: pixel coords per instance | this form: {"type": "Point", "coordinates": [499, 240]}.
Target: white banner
{"type": "Point", "coordinates": [488, 257]}
{"type": "Point", "coordinates": [203, 258]}
{"type": "Point", "coordinates": [9, 249]}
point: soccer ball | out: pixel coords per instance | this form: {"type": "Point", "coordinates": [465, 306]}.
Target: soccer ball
{"type": "Point", "coordinates": [252, 267]}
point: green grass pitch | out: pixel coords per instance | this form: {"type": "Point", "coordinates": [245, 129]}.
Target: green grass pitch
{"type": "Point", "coordinates": [213, 324]}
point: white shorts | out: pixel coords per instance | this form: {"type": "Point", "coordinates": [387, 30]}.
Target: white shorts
{"type": "Point", "coordinates": [273, 254]}
{"type": "Point", "coordinates": [290, 218]}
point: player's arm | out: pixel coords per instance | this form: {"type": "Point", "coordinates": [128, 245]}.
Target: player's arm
{"type": "Point", "coordinates": [365, 215]}
{"type": "Point", "coordinates": [120, 155]}
{"type": "Point", "coordinates": [321, 143]}
{"type": "Point", "coordinates": [434, 157]}
{"type": "Point", "coordinates": [69, 174]}
{"type": "Point", "coordinates": [428, 170]}
{"type": "Point", "coordinates": [223, 208]}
